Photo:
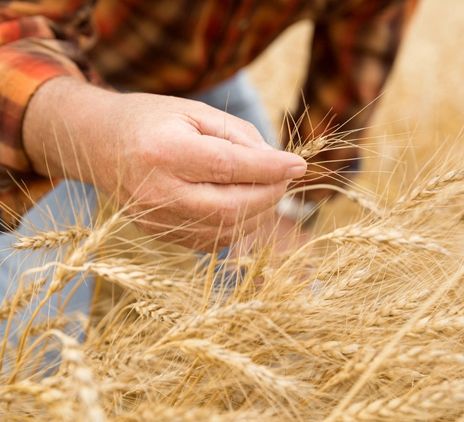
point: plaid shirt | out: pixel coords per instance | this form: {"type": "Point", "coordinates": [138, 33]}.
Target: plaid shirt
{"type": "Point", "coordinates": [178, 47]}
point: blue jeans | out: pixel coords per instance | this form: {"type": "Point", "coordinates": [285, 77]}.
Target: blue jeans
{"type": "Point", "coordinates": [70, 203]}
{"type": "Point", "coordinates": [73, 202]}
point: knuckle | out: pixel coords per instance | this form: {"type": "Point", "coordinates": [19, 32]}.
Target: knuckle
{"type": "Point", "coordinates": [253, 131]}
{"type": "Point", "coordinates": [222, 169]}
{"type": "Point", "coordinates": [250, 126]}
{"type": "Point", "coordinates": [148, 154]}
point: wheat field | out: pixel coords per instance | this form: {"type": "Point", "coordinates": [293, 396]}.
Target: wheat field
{"type": "Point", "coordinates": [364, 321]}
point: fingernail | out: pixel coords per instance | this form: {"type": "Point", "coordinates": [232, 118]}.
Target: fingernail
{"type": "Point", "coordinates": [295, 172]}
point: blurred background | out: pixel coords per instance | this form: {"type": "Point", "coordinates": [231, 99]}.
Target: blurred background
{"type": "Point", "coordinates": [419, 120]}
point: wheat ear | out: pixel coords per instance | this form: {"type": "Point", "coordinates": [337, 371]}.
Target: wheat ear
{"type": "Point", "coordinates": [391, 345]}
{"type": "Point", "coordinates": [259, 374]}
{"type": "Point", "coordinates": [82, 378]}
{"type": "Point", "coordinates": [431, 187]}
{"type": "Point", "coordinates": [383, 236]}
{"type": "Point", "coordinates": [421, 404]}
{"type": "Point", "coordinates": [153, 311]}
{"type": "Point", "coordinates": [51, 239]}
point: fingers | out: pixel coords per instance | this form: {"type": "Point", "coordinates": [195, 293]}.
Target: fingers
{"type": "Point", "coordinates": [226, 163]}
{"type": "Point", "coordinates": [210, 205]}
{"type": "Point", "coordinates": [227, 205]}
{"type": "Point", "coordinates": [214, 122]}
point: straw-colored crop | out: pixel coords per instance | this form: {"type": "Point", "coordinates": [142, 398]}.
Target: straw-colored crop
{"type": "Point", "coordinates": [362, 322]}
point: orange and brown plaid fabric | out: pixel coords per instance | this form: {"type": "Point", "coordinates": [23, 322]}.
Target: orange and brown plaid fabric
{"type": "Point", "coordinates": [178, 47]}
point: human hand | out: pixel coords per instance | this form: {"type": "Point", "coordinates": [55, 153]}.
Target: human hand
{"type": "Point", "coordinates": [192, 173]}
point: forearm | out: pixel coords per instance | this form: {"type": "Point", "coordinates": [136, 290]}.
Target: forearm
{"type": "Point", "coordinates": [67, 128]}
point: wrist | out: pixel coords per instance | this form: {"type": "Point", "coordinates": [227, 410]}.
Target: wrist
{"type": "Point", "coordinates": [67, 127]}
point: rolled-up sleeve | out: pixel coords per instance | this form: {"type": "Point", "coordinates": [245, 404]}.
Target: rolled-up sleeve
{"type": "Point", "coordinates": [37, 42]}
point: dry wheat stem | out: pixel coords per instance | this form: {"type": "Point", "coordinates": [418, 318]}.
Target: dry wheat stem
{"type": "Point", "coordinates": [359, 198]}
{"type": "Point", "coordinates": [369, 330]}
{"type": "Point", "coordinates": [21, 299]}
{"type": "Point", "coordinates": [77, 257]}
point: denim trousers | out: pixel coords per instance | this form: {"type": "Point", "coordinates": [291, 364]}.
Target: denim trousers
{"type": "Point", "coordinates": [73, 202]}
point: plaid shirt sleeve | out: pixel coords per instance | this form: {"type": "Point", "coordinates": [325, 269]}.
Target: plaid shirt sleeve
{"type": "Point", "coordinates": [38, 41]}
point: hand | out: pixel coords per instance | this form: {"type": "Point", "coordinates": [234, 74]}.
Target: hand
{"type": "Point", "coordinates": [192, 173]}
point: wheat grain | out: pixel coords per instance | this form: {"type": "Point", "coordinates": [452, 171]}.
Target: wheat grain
{"type": "Point", "coordinates": [82, 379]}
{"type": "Point", "coordinates": [446, 396]}
{"type": "Point", "coordinates": [311, 148]}
{"type": "Point", "coordinates": [383, 236]}
{"type": "Point", "coordinates": [212, 317]}
{"type": "Point", "coordinates": [21, 299]}
{"type": "Point", "coordinates": [51, 239]}
{"type": "Point", "coordinates": [430, 188]}
{"type": "Point", "coordinates": [258, 374]}
{"type": "Point", "coordinates": [153, 311]}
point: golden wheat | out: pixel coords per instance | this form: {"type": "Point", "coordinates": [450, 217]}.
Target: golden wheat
{"type": "Point", "coordinates": [363, 322]}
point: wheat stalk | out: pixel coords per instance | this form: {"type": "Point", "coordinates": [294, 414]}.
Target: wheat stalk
{"type": "Point", "coordinates": [211, 317]}
{"type": "Point", "coordinates": [389, 348]}
{"type": "Point", "coordinates": [81, 379]}
{"type": "Point", "coordinates": [22, 298]}
{"type": "Point", "coordinates": [432, 187]}
{"type": "Point", "coordinates": [447, 396]}
{"type": "Point", "coordinates": [258, 374]}
{"type": "Point", "coordinates": [383, 236]}
{"type": "Point", "coordinates": [311, 148]}
{"type": "Point", "coordinates": [368, 330]}
{"type": "Point", "coordinates": [153, 311]}
{"type": "Point", "coordinates": [51, 239]}
{"type": "Point", "coordinates": [63, 274]}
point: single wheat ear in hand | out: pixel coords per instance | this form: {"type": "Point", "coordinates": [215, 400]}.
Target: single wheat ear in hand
{"type": "Point", "coordinates": [309, 149]}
